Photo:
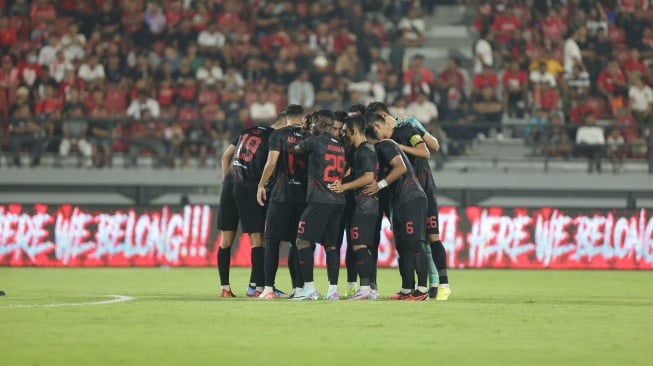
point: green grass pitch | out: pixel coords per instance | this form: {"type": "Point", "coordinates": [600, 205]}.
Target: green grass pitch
{"type": "Point", "coordinates": [494, 317]}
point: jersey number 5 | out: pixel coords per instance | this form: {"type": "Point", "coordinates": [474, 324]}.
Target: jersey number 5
{"type": "Point", "coordinates": [335, 168]}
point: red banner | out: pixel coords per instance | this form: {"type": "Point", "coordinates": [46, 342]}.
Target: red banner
{"type": "Point", "coordinates": [71, 236]}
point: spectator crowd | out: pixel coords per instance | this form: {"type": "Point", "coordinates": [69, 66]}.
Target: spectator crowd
{"type": "Point", "coordinates": [174, 78]}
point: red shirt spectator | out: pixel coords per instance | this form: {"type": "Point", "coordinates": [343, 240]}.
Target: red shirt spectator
{"type": "Point", "coordinates": [70, 82]}
{"type": "Point", "coordinates": [487, 78]}
{"type": "Point", "coordinates": [275, 41]}
{"type": "Point", "coordinates": [48, 105]}
{"type": "Point", "coordinates": [341, 40]}
{"type": "Point", "coordinates": [188, 91]}
{"type": "Point", "coordinates": [504, 25]}
{"type": "Point", "coordinates": [41, 11]}
{"type": "Point", "coordinates": [552, 26]}
{"type": "Point", "coordinates": [578, 113]}
{"type": "Point", "coordinates": [513, 80]}
{"type": "Point", "coordinates": [187, 114]}
{"type": "Point", "coordinates": [452, 68]}
{"type": "Point", "coordinates": [9, 75]}
{"type": "Point", "coordinates": [634, 63]}
{"type": "Point", "coordinates": [7, 35]}
{"type": "Point", "coordinates": [427, 75]}
{"type": "Point", "coordinates": [609, 80]}
{"type": "Point", "coordinates": [166, 94]}
{"type": "Point", "coordinates": [629, 6]}
{"type": "Point", "coordinates": [548, 98]}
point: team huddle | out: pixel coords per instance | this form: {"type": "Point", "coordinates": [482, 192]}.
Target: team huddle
{"type": "Point", "coordinates": [309, 179]}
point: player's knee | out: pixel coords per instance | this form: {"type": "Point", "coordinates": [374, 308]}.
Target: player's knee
{"type": "Point", "coordinates": [303, 244]}
{"type": "Point", "coordinates": [433, 237]}
{"type": "Point", "coordinates": [359, 247]}
{"type": "Point", "coordinates": [330, 249]}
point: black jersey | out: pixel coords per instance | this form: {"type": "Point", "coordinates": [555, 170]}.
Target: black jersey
{"type": "Point", "coordinates": [364, 160]}
{"type": "Point", "coordinates": [406, 134]}
{"type": "Point", "coordinates": [290, 174]}
{"type": "Point", "coordinates": [406, 188]}
{"type": "Point", "coordinates": [326, 165]}
{"type": "Point", "coordinates": [250, 155]}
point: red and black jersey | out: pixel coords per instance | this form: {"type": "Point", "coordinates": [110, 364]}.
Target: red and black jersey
{"type": "Point", "coordinates": [406, 134]}
{"type": "Point", "coordinates": [250, 155]}
{"type": "Point", "coordinates": [326, 165]}
{"type": "Point", "coordinates": [290, 175]}
{"type": "Point", "coordinates": [364, 160]}
{"type": "Point", "coordinates": [406, 188]}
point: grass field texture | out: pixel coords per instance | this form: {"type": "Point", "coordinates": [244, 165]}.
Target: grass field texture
{"type": "Point", "coordinates": [494, 317]}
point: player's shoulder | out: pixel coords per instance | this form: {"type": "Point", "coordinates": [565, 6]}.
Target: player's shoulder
{"type": "Point", "coordinates": [366, 147]}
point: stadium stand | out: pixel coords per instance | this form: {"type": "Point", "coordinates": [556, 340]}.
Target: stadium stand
{"type": "Point", "coordinates": [201, 69]}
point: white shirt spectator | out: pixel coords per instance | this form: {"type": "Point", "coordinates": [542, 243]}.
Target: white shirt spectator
{"type": "Point", "coordinates": [209, 76]}
{"type": "Point", "coordinates": [482, 49]}
{"type": "Point", "coordinates": [590, 135]}
{"type": "Point", "coordinates": [571, 53]}
{"type": "Point", "coordinates": [73, 50]}
{"type": "Point", "coordinates": [370, 91]}
{"type": "Point", "coordinates": [263, 111]}
{"type": "Point", "coordinates": [538, 77]}
{"type": "Point", "coordinates": [641, 98]}
{"type": "Point", "coordinates": [136, 107]}
{"type": "Point", "coordinates": [302, 93]}
{"type": "Point", "coordinates": [89, 73]}
{"type": "Point", "coordinates": [48, 55]}
{"type": "Point", "coordinates": [212, 40]}
{"type": "Point", "coordinates": [425, 112]}
{"type": "Point", "coordinates": [58, 69]}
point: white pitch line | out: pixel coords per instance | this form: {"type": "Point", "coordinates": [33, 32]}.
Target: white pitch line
{"type": "Point", "coordinates": [115, 299]}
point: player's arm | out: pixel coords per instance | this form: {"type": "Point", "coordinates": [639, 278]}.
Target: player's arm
{"type": "Point", "coordinates": [419, 150]}
{"type": "Point", "coordinates": [303, 147]}
{"type": "Point", "coordinates": [226, 159]}
{"type": "Point", "coordinates": [365, 179]}
{"type": "Point", "coordinates": [270, 165]}
{"type": "Point", "coordinates": [431, 142]}
{"type": "Point", "coordinates": [398, 168]}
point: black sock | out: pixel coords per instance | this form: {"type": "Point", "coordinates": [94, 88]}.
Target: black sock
{"type": "Point", "coordinates": [363, 266]}
{"type": "Point", "coordinates": [440, 259]}
{"type": "Point", "coordinates": [406, 266]}
{"type": "Point", "coordinates": [258, 273]}
{"type": "Point", "coordinates": [350, 262]}
{"type": "Point", "coordinates": [374, 257]}
{"type": "Point", "coordinates": [333, 266]}
{"type": "Point", "coordinates": [306, 264]}
{"type": "Point", "coordinates": [293, 268]}
{"type": "Point", "coordinates": [224, 262]}
{"type": "Point", "coordinates": [271, 261]}
{"type": "Point", "coordinates": [421, 262]}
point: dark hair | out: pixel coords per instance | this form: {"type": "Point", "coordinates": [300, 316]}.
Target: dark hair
{"type": "Point", "coordinates": [323, 118]}
{"type": "Point", "coordinates": [357, 108]}
{"type": "Point", "coordinates": [376, 107]}
{"type": "Point", "coordinates": [294, 110]}
{"type": "Point", "coordinates": [370, 133]}
{"type": "Point", "coordinates": [340, 116]}
{"type": "Point", "coordinates": [373, 118]}
{"type": "Point", "coordinates": [356, 123]}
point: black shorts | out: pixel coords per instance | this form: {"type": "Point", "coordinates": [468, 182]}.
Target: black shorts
{"type": "Point", "coordinates": [252, 215]}
{"type": "Point", "coordinates": [362, 230]}
{"type": "Point", "coordinates": [227, 211]}
{"type": "Point", "coordinates": [408, 221]}
{"type": "Point", "coordinates": [320, 223]}
{"type": "Point", "coordinates": [432, 219]}
{"type": "Point", "coordinates": [282, 219]}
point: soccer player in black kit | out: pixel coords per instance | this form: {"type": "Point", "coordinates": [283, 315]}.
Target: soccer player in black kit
{"type": "Point", "coordinates": [361, 223]}
{"type": "Point", "coordinates": [242, 166]}
{"type": "Point", "coordinates": [415, 142]}
{"type": "Point", "coordinates": [286, 200]}
{"type": "Point", "coordinates": [320, 220]}
{"type": "Point", "coordinates": [408, 210]}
